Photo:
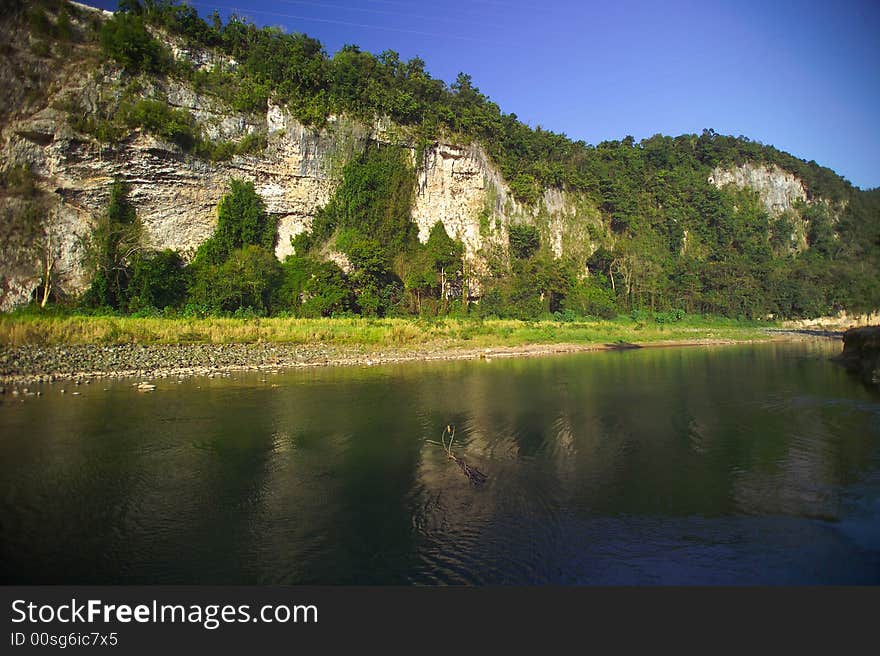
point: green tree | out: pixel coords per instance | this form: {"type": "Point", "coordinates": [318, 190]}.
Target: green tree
{"type": "Point", "coordinates": [419, 277]}
{"type": "Point", "coordinates": [242, 221]}
{"type": "Point", "coordinates": [446, 255]}
{"type": "Point", "coordinates": [236, 269]}
{"type": "Point", "coordinates": [114, 243]}
{"type": "Point", "coordinates": [820, 235]}
{"type": "Point", "coordinates": [592, 297]}
{"type": "Point", "coordinates": [375, 199]}
{"type": "Point", "coordinates": [158, 280]}
{"type": "Point", "coordinates": [313, 288]}
{"type": "Point", "coordinates": [554, 280]}
{"type": "Point", "coordinates": [246, 280]}
{"type": "Point", "coordinates": [524, 240]}
{"type": "Point", "coordinates": [125, 39]}
{"type": "Point", "coordinates": [524, 187]}
{"type": "Point", "coordinates": [376, 286]}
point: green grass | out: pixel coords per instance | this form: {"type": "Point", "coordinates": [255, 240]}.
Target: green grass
{"type": "Point", "coordinates": [35, 329]}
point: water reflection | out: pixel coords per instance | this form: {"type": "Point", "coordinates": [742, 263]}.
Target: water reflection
{"type": "Point", "coordinates": [753, 464]}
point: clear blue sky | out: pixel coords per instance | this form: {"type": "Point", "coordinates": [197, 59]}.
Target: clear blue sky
{"type": "Point", "coordinates": [802, 76]}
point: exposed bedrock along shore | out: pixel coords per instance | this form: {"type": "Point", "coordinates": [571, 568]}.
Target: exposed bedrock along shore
{"type": "Point", "coordinates": [861, 353]}
{"type": "Point", "coordinates": [26, 364]}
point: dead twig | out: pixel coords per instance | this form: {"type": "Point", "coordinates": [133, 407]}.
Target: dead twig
{"type": "Point", "coordinates": [474, 475]}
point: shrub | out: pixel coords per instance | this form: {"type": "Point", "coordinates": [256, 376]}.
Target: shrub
{"type": "Point", "coordinates": [524, 241]}
{"type": "Point", "coordinates": [20, 181]}
{"type": "Point", "coordinates": [312, 288]}
{"type": "Point", "coordinates": [241, 221]}
{"type": "Point", "coordinates": [247, 279]}
{"type": "Point", "coordinates": [155, 116]}
{"type": "Point", "coordinates": [158, 280]}
{"type": "Point", "coordinates": [565, 316]}
{"type": "Point", "coordinates": [672, 316]}
{"type": "Point", "coordinates": [39, 22]}
{"type": "Point", "coordinates": [252, 142]}
{"type": "Point", "coordinates": [592, 299]}
{"type": "Point", "coordinates": [525, 188]}
{"type": "Point", "coordinates": [125, 39]}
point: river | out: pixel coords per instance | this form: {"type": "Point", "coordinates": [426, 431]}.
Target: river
{"type": "Point", "coordinates": [732, 465]}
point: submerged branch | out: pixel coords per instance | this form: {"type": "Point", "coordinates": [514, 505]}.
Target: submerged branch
{"type": "Point", "coordinates": [474, 475]}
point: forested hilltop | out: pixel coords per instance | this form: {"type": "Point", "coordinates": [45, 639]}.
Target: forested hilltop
{"type": "Point", "coordinates": [667, 225]}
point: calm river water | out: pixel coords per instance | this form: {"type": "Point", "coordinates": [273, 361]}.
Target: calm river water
{"type": "Point", "coordinates": [753, 464]}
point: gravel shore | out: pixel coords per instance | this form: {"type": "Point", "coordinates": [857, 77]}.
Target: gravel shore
{"type": "Point", "coordinates": [35, 364]}
{"type": "Point", "coordinates": [73, 362]}
{"type": "Point", "coordinates": [31, 364]}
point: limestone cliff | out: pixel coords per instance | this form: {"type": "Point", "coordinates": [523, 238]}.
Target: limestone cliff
{"type": "Point", "coordinates": [779, 190]}
{"type": "Point", "coordinates": [460, 187]}
{"type": "Point", "coordinates": [176, 193]}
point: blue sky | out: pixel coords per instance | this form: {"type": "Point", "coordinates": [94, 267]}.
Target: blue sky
{"type": "Point", "coordinates": [802, 76]}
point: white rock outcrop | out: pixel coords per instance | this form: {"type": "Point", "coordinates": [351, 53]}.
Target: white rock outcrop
{"type": "Point", "coordinates": [454, 184]}
{"type": "Point", "coordinates": [778, 189]}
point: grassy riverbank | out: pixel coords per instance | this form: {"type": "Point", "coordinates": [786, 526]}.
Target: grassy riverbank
{"type": "Point", "coordinates": [36, 330]}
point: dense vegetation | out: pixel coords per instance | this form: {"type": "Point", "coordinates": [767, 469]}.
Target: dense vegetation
{"type": "Point", "coordinates": [235, 271]}
{"type": "Point", "coordinates": [673, 242]}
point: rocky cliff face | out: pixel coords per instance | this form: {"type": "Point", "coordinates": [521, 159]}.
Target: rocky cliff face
{"type": "Point", "coordinates": [782, 194]}
{"type": "Point", "coordinates": [460, 187]}
{"type": "Point", "coordinates": [779, 190]}
{"type": "Point", "coordinates": [176, 194]}
{"type": "Point", "coordinates": [456, 185]}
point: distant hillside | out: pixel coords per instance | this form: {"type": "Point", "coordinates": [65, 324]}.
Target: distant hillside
{"type": "Point", "coordinates": [381, 189]}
